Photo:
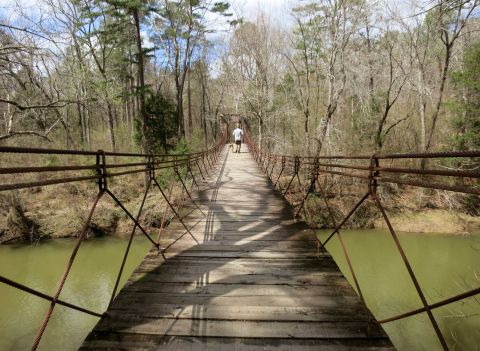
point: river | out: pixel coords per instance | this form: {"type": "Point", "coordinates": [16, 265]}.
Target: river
{"type": "Point", "coordinates": [445, 265]}
{"type": "Point", "coordinates": [89, 285]}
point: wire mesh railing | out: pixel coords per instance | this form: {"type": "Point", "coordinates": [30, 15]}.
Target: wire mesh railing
{"type": "Point", "coordinates": [101, 167]}
{"type": "Point", "coordinates": [367, 169]}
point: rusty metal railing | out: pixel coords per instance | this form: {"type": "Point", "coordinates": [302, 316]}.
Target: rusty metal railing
{"type": "Point", "coordinates": [192, 165]}
{"type": "Point", "coordinates": [367, 168]}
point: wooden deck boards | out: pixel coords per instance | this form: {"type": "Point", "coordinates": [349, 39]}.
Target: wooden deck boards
{"type": "Point", "coordinates": [245, 277]}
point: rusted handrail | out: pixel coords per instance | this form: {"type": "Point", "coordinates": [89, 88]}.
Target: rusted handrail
{"type": "Point", "coordinates": [193, 163]}
{"type": "Point", "coordinates": [372, 173]}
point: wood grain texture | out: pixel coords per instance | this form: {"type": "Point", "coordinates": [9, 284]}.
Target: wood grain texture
{"type": "Point", "coordinates": [245, 276]}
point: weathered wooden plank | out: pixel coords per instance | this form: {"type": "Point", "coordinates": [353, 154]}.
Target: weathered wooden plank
{"type": "Point", "coordinates": [240, 289]}
{"type": "Point", "coordinates": [235, 329]}
{"type": "Point", "coordinates": [245, 262]}
{"type": "Point", "coordinates": [324, 278]}
{"type": "Point", "coordinates": [130, 341]}
{"type": "Point", "coordinates": [325, 265]}
{"type": "Point", "coordinates": [246, 277]}
{"type": "Point", "coordinates": [251, 313]}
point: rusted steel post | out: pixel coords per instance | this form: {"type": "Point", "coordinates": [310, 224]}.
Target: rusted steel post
{"type": "Point", "coordinates": [281, 171]}
{"type": "Point", "coordinates": [313, 177]}
{"type": "Point", "coordinates": [275, 159]}
{"type": "Point", "coordinates": [295, 173]}
{"type": "Point", "coordinates": [189, 169]}
{"type": "Point", "coordinates": [132, 233]}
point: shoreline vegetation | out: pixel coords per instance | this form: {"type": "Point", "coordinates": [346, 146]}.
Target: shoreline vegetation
{"type": "Point", "coordinates": [41, 214]}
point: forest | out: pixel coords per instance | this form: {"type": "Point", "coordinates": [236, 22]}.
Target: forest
{"type": "Point", "coordinates": [336, 77]}
{"type": "Point", "coordinates": [325, 77]}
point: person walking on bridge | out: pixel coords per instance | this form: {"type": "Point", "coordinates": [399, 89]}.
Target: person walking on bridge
{"type": "Point", "coordinates": [238, 134]}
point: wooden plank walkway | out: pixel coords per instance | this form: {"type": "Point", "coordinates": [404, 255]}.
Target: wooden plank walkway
{"type": "Point", "coordinates": [247, 278]}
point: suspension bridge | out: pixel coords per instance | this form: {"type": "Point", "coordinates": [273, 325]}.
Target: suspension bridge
{"type": "Point", "coordinates": [237, 268]}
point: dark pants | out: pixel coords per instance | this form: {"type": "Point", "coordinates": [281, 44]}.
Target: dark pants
{"type": "Point", "coordinates": [239, 145]}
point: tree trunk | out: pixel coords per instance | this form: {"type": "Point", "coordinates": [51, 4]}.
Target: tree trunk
{"type": "Point", "coordinates": [203, 117]}
{"type": "Point", "coordinates": [181, 126]}
{"type": "Point", "coordinates": [141, 80]}
{"type": "Point", "coordinates": [111, 132]}
{"type": "Point", "coordinates": [189, 97]}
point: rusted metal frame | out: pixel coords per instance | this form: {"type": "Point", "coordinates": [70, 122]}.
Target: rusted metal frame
{"type": "Point", "coordinates": [259, 158]}
{"type": "Point", "coordinates": [345, 174]}
{"type": "Point", "coordinates": [174, 210]}
{"type": "Point", "coordinates": [126, 165]}
{"type": "Point", "coordinates": [342, 243]}
{"type": "Point", "coordinates": [41, 295]}
{"type": "Point", "coordinates": [61, 283]}
{"type": "Point", "coordinates": [360, 168]}
{"type": "Point", "coordinates": [357, 205]}
{"type": "Point", "coordinates": [441, 154]}
{"type": "Point", "coordinates": [189, 170]}
{"type": "Point", "coordinates": [268, 159]}
{"type": "Point", "coordinates": [165, 212]}
{"type": "Point", "coordinates": [446, 173]}
{"type": "Point", "coordinates": [35, 150]}
{"type": "Point", "coordinates": [281, 171]}
{"type": "Point", "coordinates": [113, 175]}
{"type": "Point", "coordinates": [438, 304]}
{"type": "Point", "coordinates": [186, 190]}
{"type": "Point", "coordinates": [467, 153]}
{"type": "Point", "coordinates": [175, 169]}
{"type": "Point", "coordinates": [102, 184]}
{"type": "Point", "coordinates": [310, 188]}
{"type": "Point", "coordinates": [263, 158]}
{"type": "Point", "coordinates": [13, 170]}
{"type": "Point", "coordinates": [5, 187]}
{"type": "Point", "coordinates": [200, 169]}
{"type": "Point", "coordinates": [295, 173]}
{"type": "Point", "coordinates": [209, 160]}
{"type": "Point", "coordinates": [313, 177]}
{"type": "Point", "coordinates": [119, 203]}
{"type": "Point", "coordinates": [374, 173]}
{"type": "Point", "coordinates": [298, 173]}
{"type": "Point", "coordinates": [130, 239]}
{"type": "Point", "coordinates": [411, 273]}
{"type": "Point", "coordinates": [204, 167]}
{"type": "Point", "coordinates": [273, 167]}
{"type": "Point", "coordinates": [430, 185]}
{"type": "Point", "coordinates": [444, 154]}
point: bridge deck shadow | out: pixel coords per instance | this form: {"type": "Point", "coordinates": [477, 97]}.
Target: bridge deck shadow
{"type": "Point", "coordinates": [246, 277]}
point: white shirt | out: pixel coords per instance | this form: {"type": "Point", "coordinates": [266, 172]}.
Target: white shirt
{"type": "Point", "coordinates": [238, 133]}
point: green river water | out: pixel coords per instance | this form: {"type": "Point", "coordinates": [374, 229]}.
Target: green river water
{"type": "Point", "coordinates": [445, 265]}
{"type": "Point", "coordinates": [89, 285]}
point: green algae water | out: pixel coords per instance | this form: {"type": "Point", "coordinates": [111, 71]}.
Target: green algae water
{"type": "Point", "coordinates": [444, 266]}
{"type": "Point", "coordinates": [89, 285]}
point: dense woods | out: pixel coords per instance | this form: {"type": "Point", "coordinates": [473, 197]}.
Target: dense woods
{"type": "Point", "coordinates": [321, 78]}
{"type": "Point", "coordinates": [337, 76]}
